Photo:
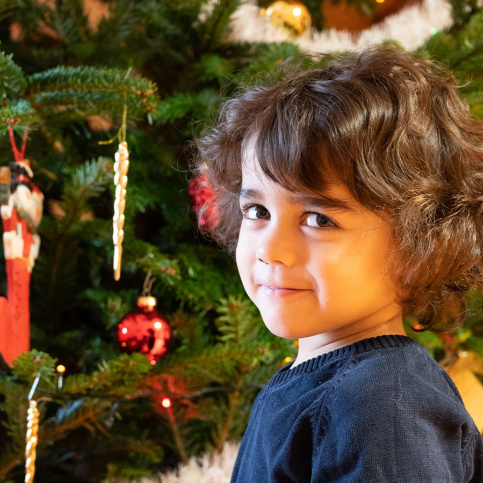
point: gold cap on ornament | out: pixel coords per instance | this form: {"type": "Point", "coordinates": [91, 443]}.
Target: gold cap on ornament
{"type": "Point", "coordinates": [147, 302]}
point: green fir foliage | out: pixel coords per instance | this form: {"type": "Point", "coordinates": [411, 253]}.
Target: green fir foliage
{"type": "Point", "coordinates": [12, 81]}
{"type": "Point", "coordinates": [461, 49]}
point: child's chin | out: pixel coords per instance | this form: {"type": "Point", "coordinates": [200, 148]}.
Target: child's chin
{"type": "Point", "coordinates": [282, 331]}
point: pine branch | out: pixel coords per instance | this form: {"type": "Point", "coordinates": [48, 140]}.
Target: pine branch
{"type": "Point", "coordinates": [179, 105]}
{"type": "Point", "coordinates": [54, 432]}
{"type": "Point", "coordinates": [462, 10]}
{"type": "Point", "coordinates": [76, 92]}
{"type": "Point", "coordinates": [17, 110]}
{"type": "Point", "coordinates": [453, 49]}
{"type": "Point", "coordinates": [57, 268]}
{"type": "Point", "coordinates": [87, 181]}
{"type": "Point", "coordinates": [117, 377]}
{"type": "Point", "coordinates": [230, 415]}
{"type": "Point", "coordinates": [12, 80]}
{"type": "Point", "coordinates": [6, 8]}
{"type": "Point", "coordinates": [237, 321]}
{"type": "Point", "coordinates": [216, 24]}
{"type": "Point", "coordinates": [216, 363]}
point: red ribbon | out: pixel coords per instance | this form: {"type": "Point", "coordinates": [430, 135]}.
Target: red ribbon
{"type": "Point", "coordinates": [18, 155]}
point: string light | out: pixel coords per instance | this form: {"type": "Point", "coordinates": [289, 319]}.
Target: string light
{"type": "Point", "coordinates": [287, 360]}
{"type": "Point", "coordinates": [60, 371]}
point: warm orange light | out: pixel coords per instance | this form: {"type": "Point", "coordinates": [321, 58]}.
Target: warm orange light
{"type": "Point", "coordinates": [60, 368]}
{"type": "Point", "coordinates": [380, 1]}
{"type": "Point", "coordinates": [166, 402]}
{"type": "Point", "coordinates": [158, 325]}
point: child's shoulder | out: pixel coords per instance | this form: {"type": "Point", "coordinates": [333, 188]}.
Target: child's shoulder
{"type": "Point", "coordinates": [392, 379]}
{"type": "Point", "coordinates": [379, 368]}
{"type": "Point", "coordinates": [386, 403]}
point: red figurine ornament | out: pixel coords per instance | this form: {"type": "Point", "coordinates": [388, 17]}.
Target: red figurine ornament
{"type": "Point", "coordinates": [21, 210]}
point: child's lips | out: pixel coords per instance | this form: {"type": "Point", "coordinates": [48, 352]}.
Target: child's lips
{"type": "Point", "coordinates": [281, 291]}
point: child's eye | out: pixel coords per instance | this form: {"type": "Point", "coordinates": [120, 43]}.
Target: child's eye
{"type": "Point", "coordinates": [319, 220]}
{"type": "Point", "coordinates": [256, 212]}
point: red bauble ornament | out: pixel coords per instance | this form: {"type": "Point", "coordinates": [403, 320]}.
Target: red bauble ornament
{"type": "Point", "coordinates": [204, 201]}
{"type": "Point", "coordinates": [145, 330]}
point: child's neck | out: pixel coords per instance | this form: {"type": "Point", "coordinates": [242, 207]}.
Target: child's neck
{"type": "Point", "coordinates": [310, 347]}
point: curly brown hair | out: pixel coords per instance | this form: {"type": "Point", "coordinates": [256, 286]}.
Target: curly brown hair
{"type": "Point", "coordinates": [394, 129]}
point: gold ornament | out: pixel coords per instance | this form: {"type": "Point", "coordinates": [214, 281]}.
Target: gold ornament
{"type": "Point", "coordinates": [291, 16]}
{"type": "Point", "coordinates": [463, 374]}
{"type": "Point", "coordinates": [31, 440]}
{"type": "Point", "coordinates": [121, 167]}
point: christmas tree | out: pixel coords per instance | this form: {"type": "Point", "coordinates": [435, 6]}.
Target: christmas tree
{"type": "Point", "coordinates": [78, 77]}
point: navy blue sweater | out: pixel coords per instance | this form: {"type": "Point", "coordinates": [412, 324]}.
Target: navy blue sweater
{"type": "Point", "coordinates": [380, 410]}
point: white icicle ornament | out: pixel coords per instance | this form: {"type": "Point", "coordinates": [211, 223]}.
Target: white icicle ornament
{"type": "Point", "coordinates": [121, 167]}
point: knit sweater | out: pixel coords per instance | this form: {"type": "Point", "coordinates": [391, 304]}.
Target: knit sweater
{"type": "Point", "coordinates": [379, 410]}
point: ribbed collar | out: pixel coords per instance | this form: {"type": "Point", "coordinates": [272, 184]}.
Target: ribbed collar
{"type": "Point", "coordinates": [365, 345]}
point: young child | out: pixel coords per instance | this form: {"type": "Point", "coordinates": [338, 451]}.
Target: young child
{"type": "Point", "coordinates": [353, 194]}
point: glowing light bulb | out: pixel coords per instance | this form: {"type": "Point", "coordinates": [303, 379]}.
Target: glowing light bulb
{"type": "Point", "coordinates": [124, 330]}
{"type": "Point", "coordinates": [60, 380]}
{"type": "Point", "coordinates": [158, 325]}
{"type": "Point", "coordinates": [297, 11]}
{"type": "Point", "coordinates": [166, 402]}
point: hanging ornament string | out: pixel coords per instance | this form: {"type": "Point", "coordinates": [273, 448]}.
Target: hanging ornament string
{"type": "Point", "coordinates": [121, 167]}
{"type": "Point", "coordinates": [18, 155]}
{"type": "Point", "coordinates": [32, 434]}
{"type": "Point", "coordinates": [148, 284]}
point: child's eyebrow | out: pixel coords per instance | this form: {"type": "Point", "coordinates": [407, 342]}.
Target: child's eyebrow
{"type": "Point", "coordinates": [322, 201]}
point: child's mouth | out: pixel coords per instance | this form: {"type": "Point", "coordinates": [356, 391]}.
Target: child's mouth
{"type": "Point", "coordinates": [283, 291]}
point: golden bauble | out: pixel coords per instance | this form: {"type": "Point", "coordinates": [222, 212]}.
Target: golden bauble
{"type": "Point", "coordinates": [291, 16]}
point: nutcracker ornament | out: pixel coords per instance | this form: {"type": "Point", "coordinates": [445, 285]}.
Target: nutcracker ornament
{"type": "Point", "coordinates": [21, 210]}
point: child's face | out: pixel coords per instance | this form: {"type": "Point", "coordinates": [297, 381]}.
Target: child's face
{"type": "Point", "coordinates": [312, 269]}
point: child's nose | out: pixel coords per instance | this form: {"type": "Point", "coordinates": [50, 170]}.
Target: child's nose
{"type": "Point", "coordinates": [277, 246]}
